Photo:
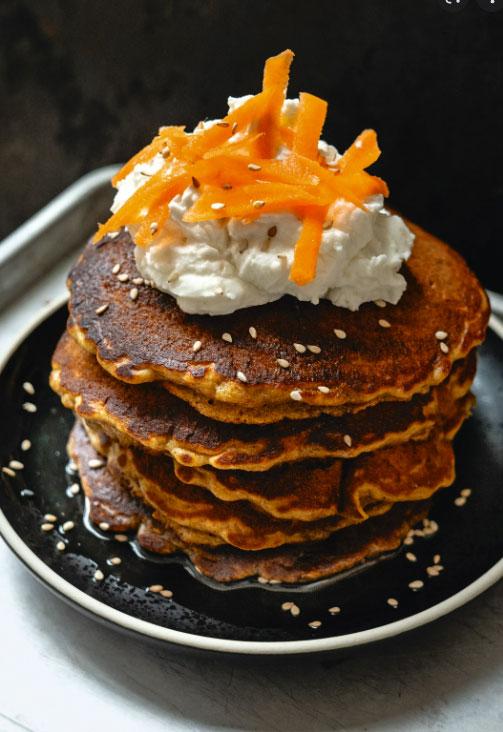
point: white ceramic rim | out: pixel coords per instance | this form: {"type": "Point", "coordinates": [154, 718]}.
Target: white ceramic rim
{"type": "Point", "coordinates": [150, 630]}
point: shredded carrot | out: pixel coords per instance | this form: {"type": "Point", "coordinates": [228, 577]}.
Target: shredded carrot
{"type": "Point", "coordinates": [235, 167]}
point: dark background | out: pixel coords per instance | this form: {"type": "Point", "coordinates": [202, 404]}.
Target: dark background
{"type": "Point", "coordinates": [86, 83]}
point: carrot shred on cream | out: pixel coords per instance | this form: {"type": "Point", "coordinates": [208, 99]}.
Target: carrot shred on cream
{"type": "Point", "coordinates": [235, 167]}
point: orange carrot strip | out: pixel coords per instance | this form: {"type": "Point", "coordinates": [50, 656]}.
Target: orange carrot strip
{"type": "Point", "coordinates": [363, 184]}
{"type": "Point", "coordinates": [275, 81]}
{"type": "Point", "coordinates": [305, 257]}
{"type": "Point", "coordinates": [363, 152]}
{"type": "Point", "coordinates": [165, 136]}
{"type": "Point", "coordinates": [309, 124]}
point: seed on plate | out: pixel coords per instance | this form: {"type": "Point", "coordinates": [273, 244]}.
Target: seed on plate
{"type": "Point", "coordinates": [384, 323]}
{"type": "Point", "coordinates": [335, 610]}
{"type": "Point", "coordinates": [102, 309]}
{"type": "Point", "coordinates": [314, 624]}
{"type": "Point", "coordinates": [241, 376]}
{"type": "Point", "coordinates": [166, 593]}
{"type": "Point", "coordinates": [104, 526]}
{"type": "Point", "coordinates": [380, 303]}
{"type": "Point", "coordinates": [440, 335]}
{"type": "Point", "coordinates": [460, 501]}
{"type": "Point", "coordinates": [9, 472]}
{"type": "Point", "coordinates": [434, 570]}
{"type": "Point", "coordinates": [283, 363]}
{"type": "Point", "coordinates": [155, 588]}
{"type": "Point", "coordinates": [47, 527]}
{"type": "Point", "coordinates": [287, 606]}
{"type": "Point", "coordinates": [29, 407]}
{"type": "Point", "coordinates": [16, 465]}
{"type": "Point", "coordinates": [115, 561]}
{"type": "Point", "coordinates": [466, 492]}
{"type": "Point", "coordinates": [299, 347]}
{"type": "Point", "coordinates": [123, 277]}
{"type": "Point", "coordinates": [133, 293]}
{"type": "Point", "coordinates": [138, 281]}
{"type": "Point", "coordinates": [227, 337]}
{"type": "Point", "coordinates": [347, 439]}
{"type": "Point", "coordinates": [411, 557]}
{"type": "Point", "coordinates": [295, 610]}
{"type": "Point", "coordinates": [416, 584]}
{"type": "Point", "coordinates": [99, 576]}
{"type": "Point", "coordinates": [50, 517]}
{"type": "Point", "coordinates": [444, 347]}
{"type": "Point", "coordinates": [258, 204]}
{"type": "Point", "coordinates": [408, 541]}
{"type": "Point", "coordinates": [436, 559]}
{"type": "Point", "coordinates": [262, 580]}
{"type": "Point", "coordinates": [29, 388]}
{"type": "Point", "coordinates": [254, 166]}
{"type": "Point", "coordinates": [314, 349]}
{"type": "Point", "coordinates": [68, 526]}
{"type": "Point", "coordinates": [340, 333]}
{"type": "Point", "coordinates": [271, 233]}
{"type": "Point", "coordinates": [196, 346]}
{"type": "Point", "coordinates": [252, 331]}
{"type": "Point", "coordinates": [392, 601]}
{"type": "Point", "coordinates": [61, 546]}
{"type": "Point", "coordinates": [25, 445]}
{"type": "Point", "coordinates": [296, 395]}
{"type": "Point", "coordinates": [74, 489]}
{"type": "Point", "coordinates": [324, 389]}
{"type": "Point", "coordinates": [116, 268]}
{"type": "Point", "coordinates": [217, 206]}
{"type": "Point", "coordinates": [95, 463]}
{"type": "Point", "coordinates": [121, 538]}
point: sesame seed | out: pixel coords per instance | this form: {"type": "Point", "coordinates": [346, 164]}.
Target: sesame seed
{"type": "Point", "coordinates": [283, 363]}
{"type": "Point", "coordinates": [227, 187]}
{"type": "Point", "coordinates": [95, 463]}
{"type": "Point", "coordinates": [384, 323]}
{"type": "Point", "coordinates": [154, 226]}
{"type": "Point", "coordinates": [61, 546]}
{"type": "Point", "coordinates": [411, 557]}
{"type": "Point", "coordinates": [328, 224]}
{"type": "Point", "coordinates": [115, 561]}
{"type": "Point", "coordinates": [335, 610]}
{"type": "Point", "coordinates": [433, 571]}
{"type": "Point", "coordinates": [444, 347]}
{"type": "Point", "coordinates": [409, 540]}
{"type": "Point", "coordinates": [234, 128]}
{"type": "Point", "coordinates": [25, 445]}
{"type": "Point", "coordinates": [466, 492]}
{"type": "Point", "coordinates": [138, 281]}
{"type": "Point", "coordinates": [460, 501]}
{"type": "Point", "coordinates": [165, 152]}
{"type": "Point", "coordinates": [9, 472]}
{"type": "Point", "coordinates": [195, 182]}
{"type": "Point", "coordinates": [416, 584]}
{"type": "Point", "coordinates": [314, 349]}
{"type": "Point", "coordinates": [47, 527]}
{"type": "Point", "coordinates": [299, 347]}
{"type": "Point", "coordinates": [241, 376]}
{"type": "Point", "coordinates": [104, 526]}
{"type": "Point", "coordinates": [133, 293]}
{"type": "Point", "coordinates": [324, 389]}
{"type": "Point", "coordinates": [252, 331]}
{"type": "Point", "coordinates": [392, 601]}
{"type": "Point", "coordinates": [271, 233]}
{"type": "Point", "coordinates": [258, 204]}
{"type": "Point", "coordinates": [29, 388]}
{"type": "Point", "coordinates": [196, 346]}
{"type": "Point", "coordinates": [166, 593]}
{"type": "Point", "coordinates": [123, 277]}
{"type": "Point", "coordinates": [121, 538]}
{"type": "Point", "coordinates": [436, 559]}
{"type": "Point", "coordinates": [380, 303]}
{"type": "Point", "coordinates": [29, 407]}
{"type": "Point", "coordinates": [296, 395]}
{"type": "Point", "coordinates": [99, 576]}
{"type": "Point", "coordinates": [16, 465]}
{"type": "Point", "coordinates": [101, 309]}
{"type": "Point", "coordinates": [254, 166]}
{"type": "Point", "coordinates": [116, 268]}
{"type": "Point", "coordinates": [50, 517]}
{"type": "Point", "coordinates": [314, 624]}
{"type": "Point", "coordinates": [223, 124]}
{"type": "Point", "coordinates": [68, 526]}
{"type": "Point", "coordinates": [287, 606]}
{"type": "Point", "coordinates": [295, 610]}
{"type": "Point", "coordinates": [262, 580]}
{"type": "Point", "coordinates": [217, 206]}
{"type": "Point", "coordinates": [347, 439]}
{"type": "Point", "coordinates": [358, 143]}
{"type": "Point", "coordinates": [274, 582]}
{"type": "Point", "coordinates": [155, 588]}
{"type": "Point", "coordinates": [440, 335]}
{"type": "Point", "coordinates": [340, 333]}
{"type": "Point", "coordinates": [227, 337]}
{"type": "Point", "coordinates": [74, 489]}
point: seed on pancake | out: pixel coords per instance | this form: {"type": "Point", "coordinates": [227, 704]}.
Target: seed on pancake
{"type": "Point", "coordinates": [99, 576]}
{"type": "Point", "coordinates": [196, 346]}
{"type": "Point", "coordinates": [295, 610]}
{"type": "Point", "coordinates": [166, 593]}
{"type": "Point", "coordinates": [340, 333]}
{"type": "Point", "coordinates": [274, 582]}
{"type": "Point", "coordinates": [380, 303]}
{"type": "Point", "coordinates": [384, 323]}
{"type": "Point", "coordinates": [61, 546]}
{"type": "Point", "coordinates": [116, 268]}
{"type": "Point", "coordinates": [287, 606]}
{"type": "Point", "coordinates": [283, 363]}
{"type": "Point", "coordinates": [460, 501]}
{"type": "Point", "coordinates": [444, 347]}
{"type": "Point", "coordinates": [241, 377]}
{"type": "Point", "coordinates": [138, 281]}
{"type": "Point", "coordinates": [30, 407]}
{"type": "Point", "coordinates": [416, 584]}
{"type": "Point", "coordinates": [393, 602]}
{"type": "Point", "coordinates": [227, 337]}
{"type": "Point", "coordinates": [217, 206]}
{"type": "Point", "coordinates": [29, 388]}
{"type": "Point", "coordinates": [314, 349]}
{"type": "Point", "coordinates": [252, 331]}
{"type": "Point", "coordinates": [411, 557]}
{"type": "Point", "coordinates": [47, 527]}
{"type": "Point", "coordinates": [104, 526]}
{"type": "Point", "coordinates": [335, 610]}
{"type": "Point", "coordinates": [258, 204]}
{"type": "Point", "coordinates": [121, 538]}
{"type": "Point", "coordinates": [16, 465]}
{"type": "Point", "coordinates": [271, 233]}
{"type": "Point", "coordinates": [314, 624]}
{"type": "Point", "coordinates": [95, 463]}
{"type": "Point", "coordinates": [50, 517]}
{"type": "Point", "coordinates": [155, 588]}
{"type": "Point", "coordinates": [440, 335]}
{"type": "Point", "coordinates": [347, 439]}
{"type": "Point", "coordinates": [154, 227]}
{"type": "Point", "coordinates": [8, 471]}
{"type": "Point", "coordinates": [299, 347]}
{"type": "Point", "coordinates": [254, 166]}
{"type": "Point", "coordinates": [296, 395]}
{"type": "Point", "coordinates": [74, 489]}
{"type": "Point", "coordinates": [115, 561]}
{"type": "Point", "coordinates": [466, 492]}
{"type": "Point", "coordinates": [102, 309]}
{"type": "Point", "coordinates": [324, 389]}
{"type": "Point", "coordinates": [68, 526]}
{"type": "Point", "coordinates": [133, 293]}
{"type": "Point", "coordinates": [25, 445]}
{"type": "Point", "coordinates": [123, 277]}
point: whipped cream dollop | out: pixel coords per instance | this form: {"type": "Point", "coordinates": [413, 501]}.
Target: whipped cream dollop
{"type": "Point", "coordinates": [218, 267]}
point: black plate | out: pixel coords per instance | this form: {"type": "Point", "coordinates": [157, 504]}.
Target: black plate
{"type": "Point", "coordinates": [469, 539]}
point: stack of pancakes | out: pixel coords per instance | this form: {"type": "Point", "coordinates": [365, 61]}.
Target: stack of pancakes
{"type": "Point", "coordinates": [289, 441]}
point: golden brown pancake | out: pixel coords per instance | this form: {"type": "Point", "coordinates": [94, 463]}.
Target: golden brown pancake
{"type": "Point", "coordinates": [147, 415]}
{"type": "Point", "coordinates": [110, 500]}
{"type": "Point", "coordinates": [151, 339]}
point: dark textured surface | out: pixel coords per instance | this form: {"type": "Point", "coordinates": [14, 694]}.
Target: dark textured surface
{"type": "Point", "coordinates": [87, 83]}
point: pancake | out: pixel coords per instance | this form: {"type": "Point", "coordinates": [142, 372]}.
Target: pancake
{"type": "Point", "coordinates": [111, 501]}
{"type": "Point", "coordinates": [151, 339]}
{"type": "Point", "coordinates": [147, 415]}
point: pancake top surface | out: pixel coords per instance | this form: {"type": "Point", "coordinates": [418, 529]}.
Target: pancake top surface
{"type": "Point", "coordinates": [150, 338]}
